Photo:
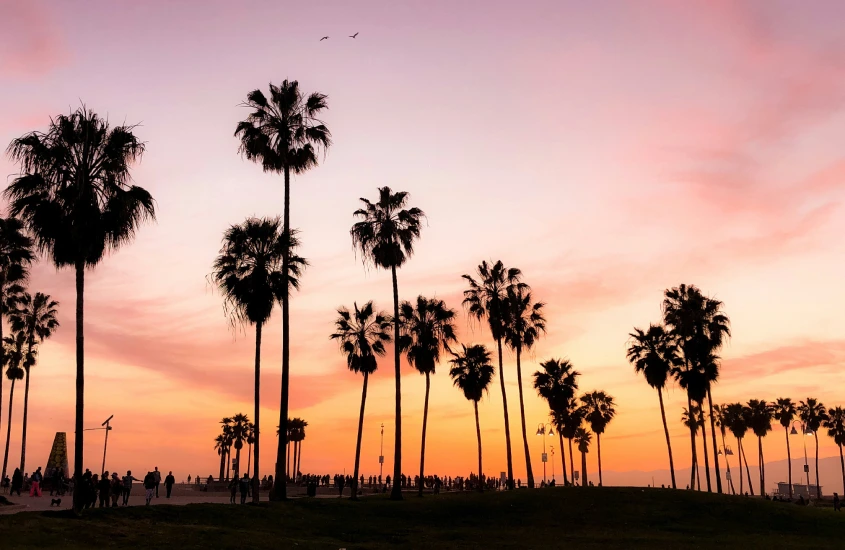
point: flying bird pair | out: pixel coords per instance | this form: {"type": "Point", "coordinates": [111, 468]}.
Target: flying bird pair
{"type": "Point", "coordinates": [350, 36]}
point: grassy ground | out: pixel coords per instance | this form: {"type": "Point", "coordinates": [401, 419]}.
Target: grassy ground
{"type": "Point", "coordinates": [583, 518]}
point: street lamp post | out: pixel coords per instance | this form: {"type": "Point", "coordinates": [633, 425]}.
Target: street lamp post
{"type": "Point", "coordinates": [552, 449]}
{"type": "Point", "coordinates": [104, 426]}
{"type": "Point", "coordinates": [381, 454]}
{"type": "Point", "coordinates": [806, 431]}
{"type": "Point", "coordinates": [542, 429]}
{"type": "Point", "coordinates": [726, 451]}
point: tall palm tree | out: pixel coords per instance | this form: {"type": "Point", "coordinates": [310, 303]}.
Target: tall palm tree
{"type": "Point", "coordinates": [250, 277]}
{"type": "Point", "coordinates": [760, 420]}
{"type": "Point", "coordinates": [36, 318]}
{"type": "Point", "coordinates": [74, 194]}
{"type": "Point", "coordinates": [599, 411]}
{"type": "Point", "coordinates": [487, 298]}
{"type": "Point", "coordinates": [284, 134]}
{"type": "Point", "coordinates": [719, 412]}
{"type": "Point", "coordinates": [569, 419]}
{"type": "Point", "coordinates": [228, 441]}
{"type": "Point", "coordinates": [427, 329]}
{"type": "Point", "coordinates": [362, 334]}
{"type": "Point", "coordinates": [813, 414]}
{"type": "Point", "coordinates": [557, 384]}
{"type": "Point", "coordinates": [221, 445]}
{"type": "Point", "coordinates": [653, 354]}
{"type": "Point", "coordinates": [297, 436]}
{"type": "Point", "coordinates": [583, 438]}
{"type": "Point", "coordinates": [385, 237]}
{"type": "Point", "coordinates": [240, 429]}
{"type": "Point", "coordinates": [18, 356]}
{"type": "Point", "coordinates": [835, 424]}
{"type": "Point", "coordinates": [472, 373]}
{"type": "Point", "coordinates": [525, 323]}
{"type": "Point", "coordinates": [250, 441]}
{"type": "Point", "coordinates": [693, 420]}
{"type": "Point", "coordinates": [15, 258]}
{"type": "Point", "coordinates": [784, 412]}
{"type": "Point", "coordinates": [735, 417]}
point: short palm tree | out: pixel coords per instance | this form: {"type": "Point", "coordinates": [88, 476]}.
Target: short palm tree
{"type": "Point", "coordinates": [221, 445]}
{"type": "Point", "coordinates": [249, 274]}
{"type": "Point", "coordinates": [568, 419]}
{"type": "Point", "coordinates": [599, 411]}
{"type": "Point", "coordinates": [813, 414]}
{"type": "Point", "coordinates": [36, 317]}
{"type": "Point", "coordinates": [385, 237]}
{"type": "Point", "coordinates": [760, 420]}
{"type": "Point", "coordinates": [75, 196]}
{"type": "Point", "coordinates": [784, 412]}
{"type": "Point", "coordinates": [735, 418]}
{"type": "Point", "coordinates": [487, 298]}
{"type": "Point", "coordinates": [284, 134]}
{"type": "Point", "coordinates": [653, 354]}
{"type": "Point", "coordinates": [835, 424]}
{"type": "Point", "coordinates": [472, 373]}
{"type": "Point", "coordinates": [583, 438]}
{"type": "Point", "coordinates": [250, 441]}
{"type": "Point", "coordinates": [15, 258]}
{"type": "Point", "coordinates": [297, 436]}
{"type": "Point", "coordinates": [362, 334]}
{"type": "Point", "coordinates": [427, 329]}
{"type": "Point", "coordinates": [226, 432]}
{"type": "Point", "coordinates": [525, 323]}
{"type": "Point", "coordinates": [693, 420]}
{"type": "Point", "coordinates": [18, 357]}
{"type": "Point", "coordinates": [557, 383]}
{"type": "Point", "coordinates": [239, 431]}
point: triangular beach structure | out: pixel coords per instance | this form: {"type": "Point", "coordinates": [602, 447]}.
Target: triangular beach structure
{"type": "Point", "coordinates": [58, 456]}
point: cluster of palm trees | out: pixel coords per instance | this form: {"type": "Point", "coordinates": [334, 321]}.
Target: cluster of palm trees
{"type": "Point", "coordinates": [235, 432]}
{"type": "Point", "coordinates": [296, 435]}
{"type": "Point", "coordinates": [31, 319]}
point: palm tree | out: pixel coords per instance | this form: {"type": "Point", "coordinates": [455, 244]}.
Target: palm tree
{"type": "Point", "coordinates": [36, 318]}
{"type": "Point", "coordinates": [15, 258]}
{"type": "Point", "coordinates": [75, 196]}
{"type": "Point", "coordinates": [719, 412]}
{"type": "Point", "coordinates": [249, 274]}
{"type": "Point", "coordinates": [362, 334]}
{"type": "Point", "coordinates": [735, 417]}
{"type": "Point", "coordinates": [18, 356]}
{"type": "Point", "coordinates": [583, 438]}
{"type": "Point", "coordinates": [813, 414]}
{"type": "Point", "coordinates": [385, 236]}
{"type": "Point", "coordinates": [250, 441]}
{"type": "Point", "coordinates": [297, 436]}
{"type": "Point", "coordinates": [221, 445]}
{"type": "Point", "coordinates": [284, 134]}
{"type": "Point", "coordinates": [488, 298]}
{"type": "Point", "coordinates": [693, 420]}
{"type": "Point", "coordinates": [557, 384]}
{"type": "Point", "coordinates": [599, 411]}
{"type": "Point", "coordinates": [835, 424]}
{"type": "Point", "coordinates": [427, 329]}
{"type": "Point", "coordinates": [569, 418]}
{"type": "Point", "coordinates": [784, 412]}
{"type": "Point", "coordinates": [472, 373]}
{"type": "Point", "coordinates": [760, 420]}
{"type": "Point", "coordinates": [240, 429]}
{"type": "Point", "coordinates": [525, 323]}
{"type": "Point", "coordinates": [654, 354]}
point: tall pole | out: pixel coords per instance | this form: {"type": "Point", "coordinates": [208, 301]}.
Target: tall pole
{"type": "Point", "coordinates": [806, 464]}
{"type": "Point", "coordinates": [552, 449]}
{"type": "Point", "coordinates": [381, 454]}
{"type": "Point", "coordinates": [544, 452]}
{"type": "Point", "coordinates": [106, 446]}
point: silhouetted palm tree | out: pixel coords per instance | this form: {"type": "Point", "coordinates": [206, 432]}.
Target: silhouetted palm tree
{"type": "Point", "coordinates": [427, 329]}
{"type": "Point", "coordinates": [488, 298]}
{"type": "Point", "coordinates": [240, 429]}
{"type": "Point", "coordinates": [36, 318]}
{"type": "Point", "coordinates": [557, 384]}
{"type": "Point", "coordinates": [760, 421]}
{"type": "Point", "coordinates": [583, 439]}
{"type": "Point", "coordinates": [599, 410]}
{"type": "Point", "coordinates": [784, 412]}
{"type": "Point", "coordinates": [569, 419]}
{"type": "Point", "coordinates": [719, 413]}
{"type": "Point", "coordinates": [693, 420]}
{"type": "Point", "coordinates": [75, 196]}
{"type": "Point", "coordinates": [221, 445]}
{"type": "Point", "coordinates": [18, 357]}
{"type": "Point", "coordinates": [249, 274]}
{"type": "Point", "coordinates": [250, 441]}
{"type": "Point", "coordinates": [385, 236]}
{"type": "Point", "coordinates": [15, 258]}
{"type": "Point", "coordinates": [472, 373]}
{"type": "Point", "coordinates": [735, 417]}
{"type": "Point", "coordinates": [653, 353]}
{"type": "Point", "coordinates": [226, 430]}
{"type": "Point", "coordinates": [362, 335]}
{"type": "Point", "coordinates": [297, 436]}
{"type": "Point", "coordinates": [813, 414]}
{"type": "Point", "coordinates": [284, 134]}
{"type": "Point", "coordinates": [525, 323]}
{"type": "Point", "coordinates": [835, 424]}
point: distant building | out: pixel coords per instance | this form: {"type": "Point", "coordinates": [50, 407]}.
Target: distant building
{"type": "Point", "coordinates": [807, 491]}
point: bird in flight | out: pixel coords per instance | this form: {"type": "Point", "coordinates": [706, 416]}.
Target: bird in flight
{"type": "Point", "coordinates": [324, 38]}
{"type": "Point", "coordinates": [353, 35]}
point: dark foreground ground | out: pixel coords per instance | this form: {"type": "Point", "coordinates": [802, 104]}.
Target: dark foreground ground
{"type": "Point", "coordinates": [549, 518]}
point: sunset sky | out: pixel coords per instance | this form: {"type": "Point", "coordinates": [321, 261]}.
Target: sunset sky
{"type": "Point", "coordinates": [608, 149]}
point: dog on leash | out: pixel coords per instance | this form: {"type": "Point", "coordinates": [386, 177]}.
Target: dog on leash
{"type": "Point", "coordinates": [55, 502]}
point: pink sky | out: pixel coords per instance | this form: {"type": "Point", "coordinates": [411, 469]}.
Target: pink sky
{"type": "Point", "coordinates": [610, 150]}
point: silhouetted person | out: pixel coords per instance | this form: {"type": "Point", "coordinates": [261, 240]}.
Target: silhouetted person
{"type": "Point", "coordinates": [801, 500]}
{"type": "Point", "coordinates": [116, 489]}
{"type": "Point", "coordinates": [157, 476]}
{"type": "Point", "coordinates": [35, 480]}
{"type": "Point", "coordinates": [127, 486]}
{"type": "Point", "coordinates": [149, 486]}
{"type": "Point", "coordinates": [233, 490]}
{"type": "Point", "coordinates": [244, 487]}
{"type": "Point", "coordinates": [104, 488]}
{"type": "Point", "coordinates": [836, 503]}
{"type": "Point", "coordinates": [168, 483]}
{"type": "Point", "coordinates": [189, 479]}
{"type": "Point", "coordinates": [341, 482]}
{"type": "Point", "coordinates": [17, 482]}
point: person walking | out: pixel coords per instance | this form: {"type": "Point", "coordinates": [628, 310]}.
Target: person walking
{"type": "Point", "coordinates": [104, 488]}
{"type": "Point", "coordinates": [116, 489]}
{"type": "Point", "coordinates": [127, 486]}
{"type": "Point", "coordinates": [150, 486]}
{"type": "Point", "coordinates": [244, 488]}
{"type": "Point", "coordinates": [17, 482]}
{"type": "Point", "coordinates": [157, 476]}
{"type": "Point", "coordinates": [233, 490]}
{"type": "Point", "coordinates": [35, 483]}
{"type": "Point", "coordinates": [168, 483]}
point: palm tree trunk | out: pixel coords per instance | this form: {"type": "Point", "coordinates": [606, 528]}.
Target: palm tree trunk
{"type": "Point", "coordinates": [692, 443]}
{"type": "Point", "coordinates": [299, 456]}
{"type": "Point", "coordinates": [396, 490]}
{"type": "Point", "coordinates": [697, 475]}
{"type": "Point", "coordinates": [818, 487]}
{"type": "Point", "coordinates": [598, 445]}
{"type": "Point", "coordinates": [478, 434]}
{"type": "Point", "coordinates": [287, 466]}
{"type": "Point", "coordinates": [563, 459]}
{"type": "Point", "coordinates": [728, 464]}
{"type": "Point", "coordinates": [228, 463]}
{"type": "Point", "coordinates": [507, 422]}
{"type": "Point", "coordinates": [528, 471]}
{"type": "Point", "coordinates": [762, 466]}
{"type": "Point", "coordinates": [842, 464]}
{"type": "Point", "coordinates": [747, 471]}
{"type": "Point", "coordinates": [237, 463]}
{"type": "Point", "coordinates": [584, 469]}
{"type": "Point", "coordinates": [2, 348]}
{"type": "Point", "coordinates": [279, 491]}
{"type": "Point", "coordinates": [571, 461]}
{"type": "Point", "coordinates": [739, 450]}
{"type": "Point", "coordinates": [788, 460]}
{"type": "Point", "coordinates": [706, 457]}
{"type": "Point", "coordinates": [294, 469]}
{"type": "Point", "coordinates": [668, 442]}
{"type": "Point", "coordinates": [257, 431]}
{"type": "Point", "coordinates": [222, 464]}
{"type": "Point", "coordinates": [23, 429]}
{"type": "Point", "coordinates": [358, 445]}
{"type": "Point", "coordinates": [8, 430]}
{"type": "Point", "coordinates": [425, 422]}
{"type": "Point", "coordinates": [78, 459]}
{"type": "Point", "coordinates": [715, 445]}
